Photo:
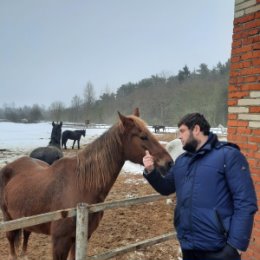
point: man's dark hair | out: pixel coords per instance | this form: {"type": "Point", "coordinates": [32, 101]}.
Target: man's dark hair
{"type": "Point", "coordinates": [192, 119]}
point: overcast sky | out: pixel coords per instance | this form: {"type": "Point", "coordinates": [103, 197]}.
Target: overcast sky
{"type": "Point", "coordinates": [50, 49]}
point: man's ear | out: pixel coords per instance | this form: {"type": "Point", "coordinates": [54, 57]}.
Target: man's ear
{"type": "Point", "coordinates": [196, 129]}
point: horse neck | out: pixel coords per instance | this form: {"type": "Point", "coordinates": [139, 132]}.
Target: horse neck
{"type": "Point", "coordinates": [100, 162]}
{"type": "Point", "coordinates": [55, 142]}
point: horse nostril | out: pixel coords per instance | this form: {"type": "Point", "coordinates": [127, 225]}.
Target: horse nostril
{"type": "Point", "coordinates": [170, 164]}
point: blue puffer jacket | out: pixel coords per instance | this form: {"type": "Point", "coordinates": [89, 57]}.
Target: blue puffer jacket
{"type": "Point", "coordinates": [216, 200]}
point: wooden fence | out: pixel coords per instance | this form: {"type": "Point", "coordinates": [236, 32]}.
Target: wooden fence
{"type": "Point", "coordinates": [81, 212]}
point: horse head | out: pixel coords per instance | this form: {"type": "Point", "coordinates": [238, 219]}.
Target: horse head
{"type": "Point", "coordinates": [56, 134]}
{"type": "Point", "coordinates": [137, 138]}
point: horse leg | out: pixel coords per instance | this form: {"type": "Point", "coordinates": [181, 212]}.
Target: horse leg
{"type": "Point", "coordinates": [61, 247]}
{"type": "Point", "coordinates": [73, 144]}
{"type": "Point", "coordinates": [12, 237]}
{"type": "Point", "coordinates": [72, 254]}
{"type": "Point", "coordinates": [78, 145]}
{"type": "Point", "coordinates": [26, 235]}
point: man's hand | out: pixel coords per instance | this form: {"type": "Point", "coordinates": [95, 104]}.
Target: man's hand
{"type": "Point", "coordinates": [148, 162]}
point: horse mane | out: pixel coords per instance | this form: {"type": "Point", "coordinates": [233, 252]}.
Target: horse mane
{"type": "Point", "coordinates": [99, 160]}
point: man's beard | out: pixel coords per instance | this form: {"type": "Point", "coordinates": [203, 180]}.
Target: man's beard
{"type": "Point", "coordinates": [191, 144]}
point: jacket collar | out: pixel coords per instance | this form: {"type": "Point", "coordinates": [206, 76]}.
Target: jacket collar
{"type": "Point", "coordinates": [209, 145]}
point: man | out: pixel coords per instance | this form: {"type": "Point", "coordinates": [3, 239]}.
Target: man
{"type": "Point", "coordinates": [216, 200]}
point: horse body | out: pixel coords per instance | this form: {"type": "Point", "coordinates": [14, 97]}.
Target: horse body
{"type": "Point", "coordinates": [72, 135]}
{"type": "Point", "coordinates": [87, 177]}
{"type": "Point", "coordinates": [52, 152]}
{"type": "Point", "coordinates": [158, 127]}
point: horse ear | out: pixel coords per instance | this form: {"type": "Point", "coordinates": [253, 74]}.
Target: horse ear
{"type": "Point", "coordinates": [60, 123]}
{"type": "Point", "coordinates": [126, 121]}
{"type": "Point", "coordinates": [136, 112]}
{"type": "Point", "coordinates": [53, 123]}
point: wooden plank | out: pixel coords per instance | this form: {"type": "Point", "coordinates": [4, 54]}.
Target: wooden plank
{"type": "Point", "coordinates": [36, 219]}
{"type": "Point", "coordinates": [132, 247]}
{"type": "Point", "coordinates": [125, 203]}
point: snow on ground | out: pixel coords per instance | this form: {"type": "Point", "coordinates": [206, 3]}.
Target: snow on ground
{"type": "Point", "coordinates": [22, 138]}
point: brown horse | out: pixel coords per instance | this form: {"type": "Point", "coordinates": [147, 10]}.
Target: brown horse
{"type": "Point", "coordinates": [29, 186]}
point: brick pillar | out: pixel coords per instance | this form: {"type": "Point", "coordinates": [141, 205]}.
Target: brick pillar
{"type": "Point", "coordinates": [244, 98]}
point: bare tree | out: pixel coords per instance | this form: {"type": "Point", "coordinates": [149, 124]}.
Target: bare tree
{"type": "Point", "coordinates": [76, 107]}
{"type": "Point", "coordinates": [89, 94]}
{"type": "Point", "coordinates": [89, 99]}
{"type": "Point", "coordinates": [56, 109]}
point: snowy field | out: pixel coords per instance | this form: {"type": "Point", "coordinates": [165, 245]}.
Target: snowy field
{"type": "Point", "coordinates": [22, 138]}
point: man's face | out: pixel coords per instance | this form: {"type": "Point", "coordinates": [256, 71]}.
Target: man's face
{"type": "Point", "coordinates": [187, 138]}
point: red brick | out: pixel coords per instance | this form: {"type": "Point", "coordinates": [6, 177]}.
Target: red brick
{"type": "Point", "coordinates": [254, 139]}
{"type": "Point", "coordinates": [249, 71]}
{"type": "Point", "coordinates": [232, 102]}
{"type": "Point", "coordinates": [250, 87]}
{"type": "Point", "coordinates": [252, 24]}
{"type": "Point", "coordinates": [237, 123]}
{"type": "Point", "coordinates": [256, 38]}
{"type": "Point", "coordinates": [244, 19]}
{"type": "Point", "coordinates": [256, 62]}
{"type": "Point", "coordinates": [252, 147]}
{"type": "Point", "coordinates": [234, 88]}
{"type": "Point", "coordinates": [232, 116]}
{"type": "Point", "coordinates": [249, 154]}
{"type": "Point", "coordinates": [238, 94]}
{"type": "Point", "coordinates": [238, 138]}
{"type": "Point", "coordinates": [237, 36]}
{"type": "Point", "coordinates": [244, 130]}
{"type": "Point", "coordinates": [237, 44]}
{"type": "Point", "coordinates": [254, 109]}
{"type": "Point", "coordinates": [235, 59]}
{"type": "Point", "coordinates": [246, 48]}
{"type": "Point", "coordinates": [256, 46]}
{"type": "Point", "coordinates": [256, 131]}
{"type": "Point", "coordinates": [231, 130]}
{"type": "Point", "coordinates": [249, 79]}
{"type": "Point", "coordinates": [256, 178]}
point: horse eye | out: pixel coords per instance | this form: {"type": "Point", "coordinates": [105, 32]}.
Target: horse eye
{"type": "Point", "coordinates": [144, 138]}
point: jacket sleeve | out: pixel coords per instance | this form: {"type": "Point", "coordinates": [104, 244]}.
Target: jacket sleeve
{"type": "Point", "coordinates": [244, 198]}
{"type": "Point", "coordinates": [164, 185]}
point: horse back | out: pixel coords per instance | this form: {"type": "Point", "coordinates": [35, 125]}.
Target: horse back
{"type": "Point", "coordinates": [31, 178]}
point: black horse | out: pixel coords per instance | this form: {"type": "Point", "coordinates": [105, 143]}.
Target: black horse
{"type": "Point", "coordinates": [158, 127]}
{"type": "Point", "coordinates": [72, 135]}
{"type": "Point", "coordinates": [52, 152]}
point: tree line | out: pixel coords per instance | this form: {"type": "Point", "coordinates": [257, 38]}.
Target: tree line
{"type": "Point", "coordinates": [161, 99]}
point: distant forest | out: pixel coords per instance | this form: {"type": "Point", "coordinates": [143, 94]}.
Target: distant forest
{"type": "Point", "coordinates": [162, 100]}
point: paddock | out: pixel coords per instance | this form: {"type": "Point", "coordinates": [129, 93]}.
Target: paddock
{"type": "Point", "coordinates": [82, 212]}
{"type": "Point", "coordinates": [121, 226]}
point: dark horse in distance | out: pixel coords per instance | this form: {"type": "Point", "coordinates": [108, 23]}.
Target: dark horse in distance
{"type": "Point", "coordinates": [158, 127]}
{"type": "Point", "coordinates": [72, 135]}
{"type": "Point", "coordinates": [29, 187]}
{"type": "Point", "coordinates": [52, 152]}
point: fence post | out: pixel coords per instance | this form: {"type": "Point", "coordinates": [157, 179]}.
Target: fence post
{"type": "Point", "coordinates": [81, 231]}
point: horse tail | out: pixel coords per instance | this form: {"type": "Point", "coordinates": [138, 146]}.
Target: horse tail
{"type": "Point", "coordinates": [5, 176]}
{"type": "Point", "coordinates": [17, 236]}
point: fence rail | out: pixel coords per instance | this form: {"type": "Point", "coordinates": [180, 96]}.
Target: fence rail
{"type": "Point", "coordinates": [81, 212]}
